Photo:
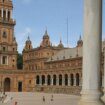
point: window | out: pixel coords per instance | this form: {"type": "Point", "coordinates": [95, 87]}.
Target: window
{"type": "Point", "coordinates": [13, 49]}
{"type": "Point", "coordinates": [4, 49]}
{"type": "Point", "coordinates": [8, 15]}
{"type": "Point", "coordinates": [4, 35]}
{"type": "Point", "coordinates": [29, 81]}
{"type": "Point", "coordinates": [4, 60]}
{"type": "Point", "coordinates": [0, 13]}
{"type": "Point", "coordinates": [37, 80]}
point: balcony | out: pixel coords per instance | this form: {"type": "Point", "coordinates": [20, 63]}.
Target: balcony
{"type": "Point", "coordinates": [6, 21]}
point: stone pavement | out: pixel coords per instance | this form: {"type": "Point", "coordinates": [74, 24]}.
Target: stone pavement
{"type": "Point", "coordinates": [37, 99]}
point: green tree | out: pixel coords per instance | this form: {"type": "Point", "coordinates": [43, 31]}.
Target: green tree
{"type": "Point", "coordinates": [20, 61]}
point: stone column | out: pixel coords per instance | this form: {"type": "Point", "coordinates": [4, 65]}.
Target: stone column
{"type": "Point", "coordinates": [52, 81]}
{"type": "Point", "coordinates": [63, 80]}
{"type": "Point", "coordinates": [103, 98]}
{"type": "Point", "coordinates": [7, 60]}
{"type": "Point", "coordinates": [11, 14]}
{"type": "Point", "coordinates": [57, 80]}
{"type": "Point", "coordinates": [2, 12]}
{"type": "Point", "coordinates": [46, 80]}
{"type": "Point", "coordinates": [92, 53]}
{"type": "Point", "coordinates": [74, 80]}
{"type": "Point", "coordinates": [40, 79]}
{"type": "Point", "coordinates": [6, 13]}
{"type": "Point", "coordinates": [80, 81]}
{"type": "Point", "coordinates": [68, 80]}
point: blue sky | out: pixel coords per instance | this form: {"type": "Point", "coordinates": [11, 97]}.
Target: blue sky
{"type": "Point", "coordinates": [33, 16]}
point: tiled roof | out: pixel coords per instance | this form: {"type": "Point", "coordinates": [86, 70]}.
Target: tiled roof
{"type": "Point", "coordinates": [67, 54]}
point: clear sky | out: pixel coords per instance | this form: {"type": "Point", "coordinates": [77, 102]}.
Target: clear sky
{"type": "Point", "coordinates": [33, 16]}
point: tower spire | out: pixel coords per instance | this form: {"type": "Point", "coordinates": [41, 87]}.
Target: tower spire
{"type": "Point", "coordinates": [46, 33]}
{"type": "Point", "coordinates": [60, 43]}
{"type": "Point", "coordinates": [60, 39]}
{"type": "Point", "coordinates": [80, 37]}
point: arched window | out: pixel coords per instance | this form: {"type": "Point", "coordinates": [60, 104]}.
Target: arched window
{"type": "Point", "coordinates": [66, 79]}
{"type": "Point", "coordinates": [60, 80]}
{"type": "Point", "coordinates": [54, 79]}
{"type": "Point", "coordinates": [72, 79]}
{"type": "Point", "coordinates": [43, 79]}
{"type": "Point", "coordinates": [49, 80]}
{"type": "Point", "coordinates": [37, 80]}
{"type": "Point", "coordinates": [77, 79]}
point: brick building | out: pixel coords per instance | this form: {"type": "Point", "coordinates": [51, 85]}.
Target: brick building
{"type": "Point", "coordinates": [46, 68]}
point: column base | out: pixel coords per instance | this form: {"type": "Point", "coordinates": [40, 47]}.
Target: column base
{"type": "Point", "coordinates": [91, 103]}
{"type": "Point", "coordinates": [90, 98]}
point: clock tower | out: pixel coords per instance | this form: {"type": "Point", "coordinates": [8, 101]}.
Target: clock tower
{"type": "Point", "coordinates": [8, 44]}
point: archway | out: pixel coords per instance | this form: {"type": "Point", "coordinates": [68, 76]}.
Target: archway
{"type": "Point", "coordinates": [54, 79]}
{"type": "Point", "coordinates": [72, 79]}
{"type": "Point", "coordinates": [66, 79]}
{"type": "Point", "coordinates": [48, 80]}
{"type": "Point", "coordinates": [77, 79]}
{"type": "Point", "coordinates": [43, 79]}
{"type": "Point", "coordinates": [37, 80]}
{"type": "Point", "coordinates": [7, 85]}
{"type": "Point", "coordinates": [60, 80]}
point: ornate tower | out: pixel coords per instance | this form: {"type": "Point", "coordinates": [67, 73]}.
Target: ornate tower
{"type": "Point", "coordinates": [46, 40]}
{"type": "Point", "coordinates": [60, 45]}
{"type": "Point", "coordinates": [28, 44]}
{"type": "Point", "coordinates": [8, 44]}
{"type": "Point", "coordinates": [80, 42]}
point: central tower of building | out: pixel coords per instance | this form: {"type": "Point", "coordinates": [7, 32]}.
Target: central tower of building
{"type": "Point", "coordinates": [8, 44]}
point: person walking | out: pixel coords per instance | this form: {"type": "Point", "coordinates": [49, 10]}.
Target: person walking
{"type": "Point", "coordinates": [52, 98]}
{"type": "Point", "coordinates": [43, 98]}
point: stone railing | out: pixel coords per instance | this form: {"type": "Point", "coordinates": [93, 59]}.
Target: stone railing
{"type": "Point", "coordinates": [59, 89]}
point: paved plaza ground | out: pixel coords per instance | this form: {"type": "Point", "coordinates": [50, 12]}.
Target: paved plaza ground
{"type": "Point", "coordinates": [37, 99]}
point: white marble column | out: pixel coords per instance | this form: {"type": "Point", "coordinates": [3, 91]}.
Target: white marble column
{"type": "Point", "coordinates": [92, 53]}
{"type": "Point", "coordinates": [103, 98]}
